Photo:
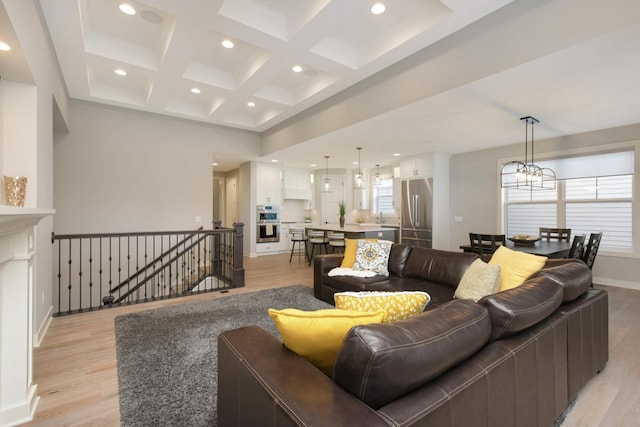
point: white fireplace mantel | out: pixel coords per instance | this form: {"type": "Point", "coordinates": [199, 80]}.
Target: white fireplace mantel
{"type": "Point", "coordinates": [18, 393]}
{"type": "Point", "coordinates": [14, 218]}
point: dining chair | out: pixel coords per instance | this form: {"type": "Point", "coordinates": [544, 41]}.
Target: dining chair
{"type": "Point", "coordinates": [555, 234]}
{"type": "Point", "coordinates": [591, 249]}
{"type": "Point", "coordinates": [577, 246]}
{"type": "Point", "coordinates": [486, 243]}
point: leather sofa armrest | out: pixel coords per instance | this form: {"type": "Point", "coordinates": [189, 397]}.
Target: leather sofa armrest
{"type": "Point", "coordinates": [322, 265]}
{"type": "Point", "coordinates": [261, 382]}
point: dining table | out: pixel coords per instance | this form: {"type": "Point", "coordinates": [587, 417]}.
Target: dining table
{"type": "Point", "coordinates": [548, 248]}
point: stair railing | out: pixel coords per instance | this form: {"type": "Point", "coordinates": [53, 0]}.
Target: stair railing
{"type": "Point", "coordinates": [101, 270]}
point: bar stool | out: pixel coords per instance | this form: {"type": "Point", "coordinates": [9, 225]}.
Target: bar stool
{"type": "Point", "coordinates": [297, 236]}
{"type": "Point", "coordinates": [317, 237]}
{"type": "Point", "coordinates": [336, 242]}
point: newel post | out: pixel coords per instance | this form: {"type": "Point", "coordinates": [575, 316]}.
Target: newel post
{"type": "Point", "coordinates": [217, 252]}
{"type": "Point", "coordinates": [238, 269]}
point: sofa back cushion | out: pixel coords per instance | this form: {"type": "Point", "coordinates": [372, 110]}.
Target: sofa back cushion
{"type": "Point", "coordinates": [380, 363]}
{"type": "Point", "coordinates": [443, 267]}
{"type": "Point", "coordinates": [398, 259]}
{"type": "Point", "coordinates": [518, 308]}
{"type": "Point", "coordinates": [574, 277]}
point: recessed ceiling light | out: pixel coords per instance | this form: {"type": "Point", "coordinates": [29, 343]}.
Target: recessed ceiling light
{"type": "Point", "coordinates": [378, 8]}
{"type": "Point", "coordinates": [215, 164]}
{"type": "Point", "coordinates": [251, 104]}
{"type": "Point", "coordinates": [195, 90]}
{"type": "Point", "coordinates": [313, 165]}
{"type": "Point", "coordinates": [4, 46]}
{"type": "Point", "coordinates": [297, 69]}
{"type": "Point", "coordinates": [120, 72]}
{"type": "Point", "coordinates": [227, 43]}
{"type": "Point", "coordinates": [396, 154]}
{"type": "Point", "coordinates": [127, 8]}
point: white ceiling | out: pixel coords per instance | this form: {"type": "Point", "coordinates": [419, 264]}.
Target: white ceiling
{"type": "Point", "coordinates": [169, 47]}
{"type": "Point", "coordinates": [588, 82]}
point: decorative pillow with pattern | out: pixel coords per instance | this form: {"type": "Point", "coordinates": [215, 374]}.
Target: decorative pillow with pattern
{"type": "Point", "coordinates": [350, 247]}
{"type": "Point", "coordinates": [397, 305]}
{"type": "Point", "coordinates": [373, 256]}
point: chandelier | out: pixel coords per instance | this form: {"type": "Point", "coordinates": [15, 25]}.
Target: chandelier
{"type": "Point", "coordinates": [527, 175]}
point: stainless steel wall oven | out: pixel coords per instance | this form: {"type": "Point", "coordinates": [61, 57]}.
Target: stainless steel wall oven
{"type": "Point", "coordinates": [267, 223]}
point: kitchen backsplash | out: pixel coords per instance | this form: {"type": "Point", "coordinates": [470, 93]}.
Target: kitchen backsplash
{"type": "Point", "coordinates": [293, 211]}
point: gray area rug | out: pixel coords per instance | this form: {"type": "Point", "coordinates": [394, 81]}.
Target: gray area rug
{"type": "Point", "coordinates": [563, 415]}
{"type": "Point", "coordinates": [167, 357]}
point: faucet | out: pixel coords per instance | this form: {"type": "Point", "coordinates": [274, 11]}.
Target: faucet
{"type": "Point", "coordinates": [380, 218]}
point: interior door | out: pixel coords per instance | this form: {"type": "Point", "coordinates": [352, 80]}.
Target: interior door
{"type": "Point", "coordinates": [330, 211]}
{"type": "Point", "coordinates": [231, 202]}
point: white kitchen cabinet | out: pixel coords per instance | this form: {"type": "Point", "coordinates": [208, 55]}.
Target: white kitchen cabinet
{"type": "Point", "coordinates": [268, 183]}
{"type": "Point", "coordinates": [361, 199]}
{"type": "Point", "coordinates": [268, 248]}
{"type": "Point", "coordinates": [285, 238]}
{"type": "Point", "coordinates": [417, 166]}
{"type": "Point", "coordinates": [297, 184]}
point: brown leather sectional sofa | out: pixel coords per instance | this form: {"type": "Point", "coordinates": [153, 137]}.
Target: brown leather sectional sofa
{"type": "Point", "coordinates": [515, 358]}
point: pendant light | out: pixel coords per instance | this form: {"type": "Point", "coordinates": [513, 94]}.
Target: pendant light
{"type": "Point", "coordinates": [326, 185]}
{"type": "Point", "coordinates": [377, 178]}
{"type": "Point", "coordinates": [527, 175]}
{"type": "Point", "coordinates": [358, 178]}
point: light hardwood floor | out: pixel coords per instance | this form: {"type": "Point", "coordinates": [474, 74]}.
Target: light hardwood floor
{"type": "Point", "coordinates": [76, 369]}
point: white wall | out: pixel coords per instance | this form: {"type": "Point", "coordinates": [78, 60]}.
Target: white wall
{"type": "Point", "coordinates": [37, 139]}
{"type": "Point", "coordinates": [475, 195]}
{"type": "Point", "coordinates": [123, 170]}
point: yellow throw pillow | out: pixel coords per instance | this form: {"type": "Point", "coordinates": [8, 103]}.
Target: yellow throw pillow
{"type": "Point", "coordinates": [350, 249]}
{"type": "Point", "coordinates": [515, 266]}
{"type": "Point", "coordinates": [397, 305]}
{"type": "Point", "coordinates": [318, 335]}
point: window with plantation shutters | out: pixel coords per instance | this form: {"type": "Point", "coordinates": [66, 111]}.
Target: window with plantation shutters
{"type": "Point", "coordinates": [601, 204]}
{"type": "Point", "coordinates": [383, 196]}
{"type": "Point", "coordinates": [585, 204]}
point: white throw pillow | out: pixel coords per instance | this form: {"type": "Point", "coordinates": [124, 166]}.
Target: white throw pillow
{"type": "Point", "coordinates": [479, 280]}
{"type": "Point", "coordinates": [373, 256]}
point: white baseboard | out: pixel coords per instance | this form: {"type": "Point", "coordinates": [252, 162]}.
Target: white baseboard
{"type": "Point", "coordinates": [44, 327]}
{"type": "Point", "coordinates": [617, 283]}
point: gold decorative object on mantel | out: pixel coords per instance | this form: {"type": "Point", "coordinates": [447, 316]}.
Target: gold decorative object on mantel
{"type": "Point", "coordinates": [15, 190]}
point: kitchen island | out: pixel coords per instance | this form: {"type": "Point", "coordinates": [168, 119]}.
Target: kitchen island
{"type": "Point", "coordinates": [358, 231]}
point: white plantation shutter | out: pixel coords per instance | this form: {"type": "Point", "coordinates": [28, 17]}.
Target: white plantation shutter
{"type": "Point", "coordinates": [601, 204]}
{"type": "Point", "coordinates": [528, 218]}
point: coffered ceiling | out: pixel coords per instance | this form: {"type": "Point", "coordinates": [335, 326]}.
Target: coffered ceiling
{"type": "Point", "coordinates": [573, 64]}
{"type": "Point", "coordinates": [168, 48]}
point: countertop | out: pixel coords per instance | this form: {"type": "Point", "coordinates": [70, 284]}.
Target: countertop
{"type": "Point", "coordinates": [348, 228]}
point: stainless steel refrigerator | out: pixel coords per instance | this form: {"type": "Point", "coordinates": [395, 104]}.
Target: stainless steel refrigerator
{"type": "Point", "coordinates": [417, 212]}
